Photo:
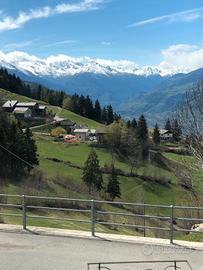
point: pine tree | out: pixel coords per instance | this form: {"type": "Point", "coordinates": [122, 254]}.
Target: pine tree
{"type": "Point", "coordinates": [156, 135]}
{"type": "Point", "coordinates": [134, 123]}
{"type": "Point", "coordinates": [168, 125]}
{"type": "Point", "coordinates": [30, 149]}
{"type": "Point", "coordinates": [142, 137]}
{"type": "Point", "coordinates": [104, 115]}
{"type": "Point", "coordinates": [113, 187]}
{"type": "Point", "coordinates": [128, 124]}
{"type": "Point", "coordinates": [97, 111]}
{"type": "Point", "coordinates": [110, 115]}
{"type": "Point", "coordinates": [177, 132]}
{"type": "Point", "coordinates": [39, 92]}
{"type": "Point", "coordinates": [92, 175]}
{"type": "Point", "coordinates": [88, 110]}
{"type": "Point", "coordinates": [142, 130]}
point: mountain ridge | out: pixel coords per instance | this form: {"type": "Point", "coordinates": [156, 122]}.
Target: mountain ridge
{"type": "Point", "coordinates": [131, 94]}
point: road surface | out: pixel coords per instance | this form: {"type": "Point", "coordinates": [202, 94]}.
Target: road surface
{"type": "Point", "coordinates": [35, 252]}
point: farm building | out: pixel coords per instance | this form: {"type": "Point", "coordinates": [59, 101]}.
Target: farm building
{"type": "Point", "coordinates": [81, 134]}
{"type": "Point", "coordinates": [33, 106]}
{"type": "Point", "coordinates": [36, 109]}
{"type": "Point", "coordinates": [68, 125]}
{"type": "Point", "coordinates": [22, 113]}
{"type": "Point", "coordinates": [166, 135]}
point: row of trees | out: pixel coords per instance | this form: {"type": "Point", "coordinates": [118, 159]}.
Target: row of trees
{"type": "Point", "coordinates": [84, 106]}
{"type": "Point", "coordinates": [81, 105]}
{"type": "Point", "coordinates": [18, 151]}
{"type": "Point", "coordinates": [93, 178]}
{"type": "Point", "coordinates": [14, 84]}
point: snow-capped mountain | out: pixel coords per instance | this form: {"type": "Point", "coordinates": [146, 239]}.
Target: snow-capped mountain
{"type": "Point", "coordinates": [131, 89]}
{"type": "Point", "coordinates": [63, 65]}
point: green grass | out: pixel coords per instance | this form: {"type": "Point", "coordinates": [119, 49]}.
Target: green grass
{"type": "Point", "coordinates": [60, 179]}
{"type": "Point", "coordinates": [133, 189]}
{"type": "Point", "coordinates": [66, 114]}
{"type": "Point", "coordinates": [74, 117]}
{"type": "Point", "coordinates": [7, 95]}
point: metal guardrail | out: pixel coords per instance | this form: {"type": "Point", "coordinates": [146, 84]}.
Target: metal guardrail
{"type": "Point", "coordinates": [94, 213]}
{"type": "Point", "coordinates": [176, 264]}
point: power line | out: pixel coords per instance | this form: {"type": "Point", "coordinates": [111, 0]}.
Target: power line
{"type": "Point", "coordinates": [16, 156]}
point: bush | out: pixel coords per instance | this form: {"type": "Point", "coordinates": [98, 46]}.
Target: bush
{"type": "Point", "coordinates": [58, 131]}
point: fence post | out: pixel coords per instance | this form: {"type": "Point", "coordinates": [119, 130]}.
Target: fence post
{"type": "Point", "coordinates": [144, 212]}
{"type": "Point", "coordinates": [171, 223]}
{"type": "Point", "coordinates": [93, 217]}
{"type": "Point", "coordinates": [24, 212]}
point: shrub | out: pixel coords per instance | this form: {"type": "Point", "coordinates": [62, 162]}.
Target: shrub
{"type": "Point", "coordinates": [58, 131]}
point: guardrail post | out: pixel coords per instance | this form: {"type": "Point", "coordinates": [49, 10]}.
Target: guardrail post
{"type": "Point", "coordinates": [93, 217]}
{"type": "Point", "coordinates": [171, 223]}
{"type": "Point", "coordinates": [144, 221]}
{"type": "Point", "coordinates": [24, 212]}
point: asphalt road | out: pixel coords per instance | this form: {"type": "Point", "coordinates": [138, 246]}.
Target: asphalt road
{"type": "Point", "coordinates": [28, 251]}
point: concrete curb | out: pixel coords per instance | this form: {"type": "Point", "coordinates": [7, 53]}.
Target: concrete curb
{"type": "Point", "coordinates": [101, 236]}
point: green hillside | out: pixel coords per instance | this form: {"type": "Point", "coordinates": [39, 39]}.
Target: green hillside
{"type": "Point", "coordinates": [60, 174]}
{"type": "Point", "coordinates": [6, 95]}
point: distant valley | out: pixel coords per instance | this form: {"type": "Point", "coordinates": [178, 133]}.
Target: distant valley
{"type": "Point", "coordinates": [131, 90]}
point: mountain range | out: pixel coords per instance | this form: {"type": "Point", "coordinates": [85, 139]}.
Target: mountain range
{"type": "Point", "coordinates": [131, 89]}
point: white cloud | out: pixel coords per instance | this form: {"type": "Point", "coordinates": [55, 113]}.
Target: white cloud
{"type": "Point", "coordinates": [183, 57]}
{"type": "Point", "coordinates": [106, 43]}
{"type": "Point", "coordinates": [183, 16]}
{"type": "Point", "coordinates": [175, 59]}
{"type": "Point", "coordinates": [10, 23]}
{"type": "Point", "coordinates": [62, 43]}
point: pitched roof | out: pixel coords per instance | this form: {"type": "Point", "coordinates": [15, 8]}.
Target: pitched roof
{"type": "Point", "coordinates": [26, 104]}
{"type": "Point", "coordinates": [10, 104]}
{"type": "Point", "coordinates": [81, 130]}
{"type": "Point", "coordinates": [21, 110]}
{"type": "Point", "coordinates": [164, 131]}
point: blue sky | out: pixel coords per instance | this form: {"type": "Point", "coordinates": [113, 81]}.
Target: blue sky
{"type": "Point", "coordinates": [141, 31]}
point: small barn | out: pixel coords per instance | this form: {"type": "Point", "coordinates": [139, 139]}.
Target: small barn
{"type": "Point", "coordinates": [100, 133]}
{"type": "Point", "coordinates": [82, 134]}
{"type": "Point", "coordinates": [68, 125]}
{"type": "Point", "coordinates": [166, 135]}
{"type": "Point", "coordinates": [33, 106]}
{"type": "Point", "coordinates": [41, 110]}
{"type": "Point", "coordinates": [22, 113]}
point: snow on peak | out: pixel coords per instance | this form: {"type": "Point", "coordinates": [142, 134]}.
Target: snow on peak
{"type": "Point", "coordinates": [64, 65]}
